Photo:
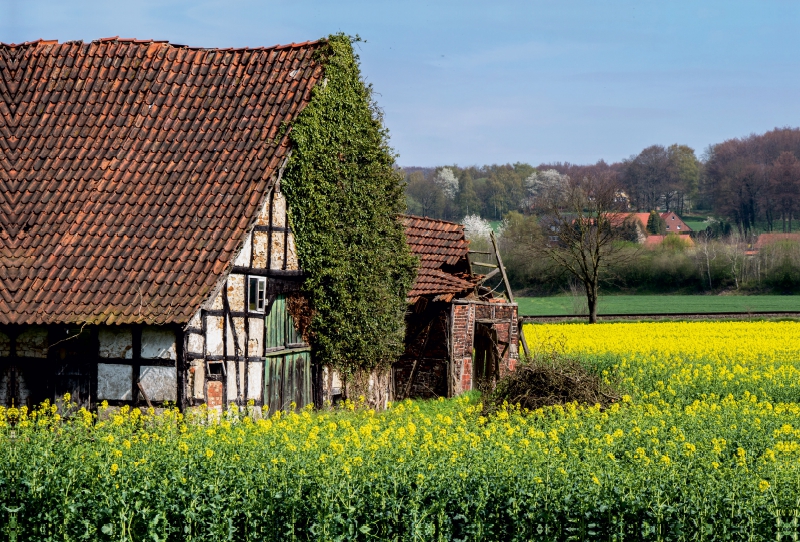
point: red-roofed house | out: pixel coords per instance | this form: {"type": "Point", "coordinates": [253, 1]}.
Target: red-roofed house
{"type": "Point", "coordinates": [674, 224]}
{"type": "Point", "coordinates": [766, 239]}
{"type": "Point", "coordinates": [457, 332]}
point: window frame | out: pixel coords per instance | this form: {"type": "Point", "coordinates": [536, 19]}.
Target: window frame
{"type": "Point", "coordinates": [256, 294]}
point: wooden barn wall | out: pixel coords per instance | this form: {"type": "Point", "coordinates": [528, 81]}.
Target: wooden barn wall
{"type": "Point", "coordinates": [422, 369]}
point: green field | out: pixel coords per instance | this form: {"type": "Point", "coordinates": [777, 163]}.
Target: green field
{"type": "Point", "coordinates": [642, 304]}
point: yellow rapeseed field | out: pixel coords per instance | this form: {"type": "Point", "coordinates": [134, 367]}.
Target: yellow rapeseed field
{"type": "Point", "coordinates": [686, 359]}
{"type": "Point", "coordinates": [703, 445]}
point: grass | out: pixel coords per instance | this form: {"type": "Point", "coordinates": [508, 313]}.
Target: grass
{"type": "Point", "coordinates": [642, 304]}
{"type": "Point", "coordinates": [697, 225]}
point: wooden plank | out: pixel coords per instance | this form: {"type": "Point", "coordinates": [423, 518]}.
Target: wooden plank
{"type": "Point", "coordinates": [267, 381]}
{"type": "Point", "coordinates": [309, 373]}
{"type": "Point", "coordinates": [141, 390]}
{"type": "Point", "coordinates": [522, 340]}
{"type": "Point", "coordinates": [286, 384]}
{"type": "Point", "coordinates": [274, 273]}
{"type": "Point", "coordinates": [502, 269]}
{"type": "Point", "coordinates": [490, 275]}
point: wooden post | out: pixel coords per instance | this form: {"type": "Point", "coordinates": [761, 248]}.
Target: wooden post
{"type": "Point", "coordinates": [502, 268]}
{"type": "Point", "coordinates": [521, 334]}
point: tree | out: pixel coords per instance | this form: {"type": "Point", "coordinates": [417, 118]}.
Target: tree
{"type": "Point", "coordinates": [521, 236]}
{"type": "Point", "coordinates": [345, 195]}
{"type": "Point", "coordinates": [424, 197]}
{"type": "Point", "coordinates": [447, 181]}
{"type": "Point", "coordinates": [739, 177]}
{"type": "Point", "coordinates": [655, 224]}
{"type": "Point", "coordinates": [785, 185]}
{"type": "Point", "coordinates": [646, 177]}
{"type": "Point", "coordinates": [468, 202]}
{"type": "Point", "coordinates": [539, 184]}
{"type": "Point", "coordinates": [684, 177]}
{"type": "Point", "coordinates": [583, 239]}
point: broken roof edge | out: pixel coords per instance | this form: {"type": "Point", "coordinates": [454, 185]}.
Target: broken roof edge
{"type": "Point", "coordinates": [117, 39]}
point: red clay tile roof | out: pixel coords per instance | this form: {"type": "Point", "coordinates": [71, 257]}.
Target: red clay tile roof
{"type": "Point", "coordinates": [766, 239]}
{"type": "Point", "coordinates": [618, 219]}
{"type": "Point", "coordinates": [437, 243]}
{"type": "Point", "coordinates": [130, 171]}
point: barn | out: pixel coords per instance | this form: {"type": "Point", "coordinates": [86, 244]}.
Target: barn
{"type": "Point", "coordinates": [145, 251]}
{"type": "Point", "coordinates": [460, 333]}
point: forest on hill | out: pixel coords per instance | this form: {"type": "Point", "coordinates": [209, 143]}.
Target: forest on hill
{"type": "Point", "coordinates": [750, 184]}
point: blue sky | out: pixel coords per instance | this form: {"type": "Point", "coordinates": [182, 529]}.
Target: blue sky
{"type": "Point", "coordinates": [492, 82]}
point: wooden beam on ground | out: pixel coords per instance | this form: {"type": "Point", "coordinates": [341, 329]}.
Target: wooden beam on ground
{"type": "Point", "coordinates": [141, 390]}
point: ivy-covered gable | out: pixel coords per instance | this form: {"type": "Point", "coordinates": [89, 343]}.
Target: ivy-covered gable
{"type": "Point", "coordinates": [345, 197]}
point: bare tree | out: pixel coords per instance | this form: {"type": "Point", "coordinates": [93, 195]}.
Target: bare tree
{"type": "Point", "coordinates": [582, 230]}
{"type": "Point", "coordinates": [734, 251]}
{"type": "Point", "coordinates": [706, 253]}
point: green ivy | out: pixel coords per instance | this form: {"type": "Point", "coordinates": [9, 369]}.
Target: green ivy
{"type": "Point", "coordinates": [344, 196]}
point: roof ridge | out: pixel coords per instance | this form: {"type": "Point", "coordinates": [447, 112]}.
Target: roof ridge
{"type": "Point", "coordinates": [403, 215]}
{"type": "Point", "coordinates": [117, 39]}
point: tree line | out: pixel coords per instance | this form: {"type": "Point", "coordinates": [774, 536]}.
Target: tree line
{"type": "Point", "coordinates": [751, 183]}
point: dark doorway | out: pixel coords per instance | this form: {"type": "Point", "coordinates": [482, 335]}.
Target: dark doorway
{"type": "Point", "coordinates": [14, 390]}
{"type": "Point", "coordinates": [484, 357]}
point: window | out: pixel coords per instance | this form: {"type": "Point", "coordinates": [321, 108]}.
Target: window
{"type": "Point", "coordinates": [679, 227]}
{"type": "Point", "coordinates": [256, 292]}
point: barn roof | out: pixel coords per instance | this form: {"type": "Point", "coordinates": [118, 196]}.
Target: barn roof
{"type": "Point", "coordinates": [766, 239]}
{"type": "Point", "coordinates": [438, 243]}
{"type": "Point", "coordinates": [130, 171]}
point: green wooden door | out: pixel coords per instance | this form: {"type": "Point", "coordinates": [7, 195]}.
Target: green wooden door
{"type": "Point", "coordinates": [287, 363]}
{"type": "Point", "coordinates": [287, 380]}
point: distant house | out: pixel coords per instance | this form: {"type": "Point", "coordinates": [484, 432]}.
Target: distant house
{"type": "Point", "coordinates": [766, 239]}
{"type": "Point", "coordinates": [675, 224]}
{"type": "Point", "coordinates": [637, 222]}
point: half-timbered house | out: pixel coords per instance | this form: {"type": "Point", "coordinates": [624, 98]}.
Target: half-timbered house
{"type": "Point", "coordinates": [146, 253]}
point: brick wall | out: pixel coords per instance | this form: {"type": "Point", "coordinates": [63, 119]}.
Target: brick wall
{"type": "Point", "coordinates": [462, 334]}
{"type": "Point", "coordinates": [464, 315]}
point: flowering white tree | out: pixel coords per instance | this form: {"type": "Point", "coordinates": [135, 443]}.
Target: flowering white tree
{"type": "Point", "coordinates": [545, 182]}
{"type": "Point", "coordinates": [476, 227]}
{"type": "Point", "coordinates": [447, 181]}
